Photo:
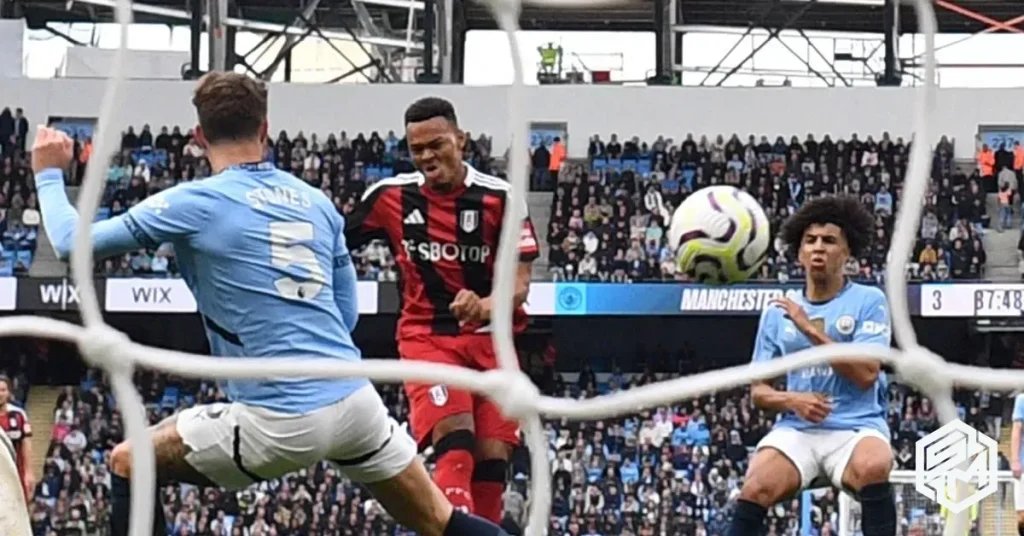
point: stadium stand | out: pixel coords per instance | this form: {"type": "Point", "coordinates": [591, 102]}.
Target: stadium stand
{"type": "Point", "coordinates": [19, 217]}
{"type": "Point", "coordinates": [341, 166]}
{"type": "Point", "coordinates": [666, 470]}
{"type": "Point", "coordinates": [609, 214]}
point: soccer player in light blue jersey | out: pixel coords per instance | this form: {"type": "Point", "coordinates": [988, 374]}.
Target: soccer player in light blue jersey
{"type": "Point", "coordinates": [1017, 459]}
{"type": "Point", "coordinates": [832, 423]}
{"type": "Point", "coordinates": [265, 256]}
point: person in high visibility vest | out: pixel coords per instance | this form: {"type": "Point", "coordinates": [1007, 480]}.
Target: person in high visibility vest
{"type": "Point", "coordinates": [986, 161]}
{"type": "Point", "coordinates": [549, 58]}
{"type": "Point", "coordinates": [1018, 161]}
{"type": "Point", "coordinates": [947, 515]}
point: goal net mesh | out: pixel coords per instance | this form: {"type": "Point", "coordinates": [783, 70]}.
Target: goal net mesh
{"type": "Point", "coordinates": [512, 390]}
{"type": "Point", "coordinates": [916, 514]}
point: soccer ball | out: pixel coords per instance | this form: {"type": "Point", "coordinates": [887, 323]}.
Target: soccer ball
{"type": "Point", "coordinates": [721, 235]}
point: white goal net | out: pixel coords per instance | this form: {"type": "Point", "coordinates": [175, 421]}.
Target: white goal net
{"type": "Point", "coordinates": [512, 390]}
{"type": "Point", "coordinates": [919, 516]}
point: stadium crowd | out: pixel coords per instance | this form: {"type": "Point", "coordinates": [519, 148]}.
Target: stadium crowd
{"type": "Point", "coordinates": [668, 470]}
{"type": "Point", "coordinates": [609, 215]}
{"type": "Point", "coordinates": [19, 217]}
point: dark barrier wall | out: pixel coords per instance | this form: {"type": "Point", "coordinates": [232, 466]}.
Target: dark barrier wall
{"type": "Point", "coordinates": [663, 343]}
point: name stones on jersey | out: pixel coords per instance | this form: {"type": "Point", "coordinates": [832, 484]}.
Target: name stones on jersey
{"type": "Point", "coordinates": [278, 195]}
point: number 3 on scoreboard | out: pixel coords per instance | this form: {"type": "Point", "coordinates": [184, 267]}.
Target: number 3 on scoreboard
{"type": "Point", "coordinates": [286, 252]}
{"type": "Point", "coordinates": [936, 300]}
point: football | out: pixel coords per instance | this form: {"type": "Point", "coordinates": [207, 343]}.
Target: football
{"type": "Point", "coordinates": [721, 235]}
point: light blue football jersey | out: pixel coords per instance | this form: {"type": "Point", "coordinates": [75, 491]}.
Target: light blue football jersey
{"type": "Point", "coordinates": [857, 314]}
{"type": "Point", "coordinates": [265, 257]}
{"type": "Point", "coordinates": [1018, 415]}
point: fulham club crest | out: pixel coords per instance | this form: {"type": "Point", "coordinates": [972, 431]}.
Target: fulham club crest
{"type": "Point", "coordinates": [439, 395]}
{"type": "Point", "coordinates": [469, 220]}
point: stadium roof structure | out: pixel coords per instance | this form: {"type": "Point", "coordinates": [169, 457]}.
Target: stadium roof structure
{"type": "Point", "coordinates": [955, 16]}
{"type": "Point", "coordinates": [393, 31]}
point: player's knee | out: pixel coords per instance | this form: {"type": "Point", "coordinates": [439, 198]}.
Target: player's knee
{"type": "Point", "coordinates": [763, 491]}
{"type": "Point", "coordinates": [868, 471]}
{"type": "Point", "coordinates": [452, 424]}
{"type": "Point", "coordinates": [493, 449]}
{"type": "Point", "coordinates": [121, 460]}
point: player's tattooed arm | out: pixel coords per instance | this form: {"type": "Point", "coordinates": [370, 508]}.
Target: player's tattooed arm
{"type": "Point", "coordinates": [862, 373]}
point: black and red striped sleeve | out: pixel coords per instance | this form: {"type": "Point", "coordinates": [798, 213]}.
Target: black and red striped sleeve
{"type": "Point", "coordinates": [529, 248]}
{"type": "Point", "coordinates": [369, 220]}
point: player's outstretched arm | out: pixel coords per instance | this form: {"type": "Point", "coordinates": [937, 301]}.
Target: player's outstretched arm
{"type": "Point", "coordinates": [51, 154]}
{"type": "Point", "coordinates": [60, 220]}
{"type": "Point", "coordinates": [163, 217]}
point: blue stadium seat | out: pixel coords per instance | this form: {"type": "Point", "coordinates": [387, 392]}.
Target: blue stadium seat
{"type": "Point", "coordinates": [170, 398]}
{"type": "Point", "coordinates": [598, 164]}
{"type": "Point", "coordinates": [25, 257]}
{"type": "Point", "coordinates": [643, 167]}
{"type": "Point", "coordinates": [615, 164]}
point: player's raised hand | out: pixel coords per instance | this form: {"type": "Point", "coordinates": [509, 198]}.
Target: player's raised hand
{"type": "Point", "coordinates": [812, 407]}
{"type": "Point", "coordinates": [793, 312]}
{"type": "Point", "coordinates": [52, 149]}
{"type": "Point", "coordinates": [466, 307]}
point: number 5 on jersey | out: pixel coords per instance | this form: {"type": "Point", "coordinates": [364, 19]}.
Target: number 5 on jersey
{"type": "Point", "coordinates": [287, 251]}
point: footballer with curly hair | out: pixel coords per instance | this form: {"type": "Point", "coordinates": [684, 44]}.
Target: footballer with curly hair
{"type": "Point", "coordinates": [832, 428]}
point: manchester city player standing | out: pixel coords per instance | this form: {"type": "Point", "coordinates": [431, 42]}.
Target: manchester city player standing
{"type": "Point", "coordinates": [264, 253]}
{"type": "Point", "coordinates": [832, 425]}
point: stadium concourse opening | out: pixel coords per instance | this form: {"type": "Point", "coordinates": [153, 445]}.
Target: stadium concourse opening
{"type": "Point", "coordinates": [609, 314]}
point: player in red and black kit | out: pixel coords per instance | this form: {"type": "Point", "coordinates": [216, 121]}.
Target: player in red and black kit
{"type": "Point", "coordinates": [14, 422]}
{"type": "Point", "coordinates": [443, 225]}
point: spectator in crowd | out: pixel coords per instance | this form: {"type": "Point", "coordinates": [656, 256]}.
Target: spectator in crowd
{"type": "Point", "coordinates": [674, 469]}
{"type": "Point", "coordinates": [608, 217]}
{"type": "Point", "coordinates": [1005, 204]}
{"type": "Point", "coordinates": [19, 217]}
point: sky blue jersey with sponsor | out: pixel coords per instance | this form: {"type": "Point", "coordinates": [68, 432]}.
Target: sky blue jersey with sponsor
{"type": "Point", "coordinates": [263, 253]}
{"type": "Point", "coordinates": [1018, 416]}
{"type": "Point", "coordinates": [858, 314]}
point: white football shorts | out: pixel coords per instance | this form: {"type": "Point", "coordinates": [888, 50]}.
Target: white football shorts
{"type": "Point", "coordinates": [236, 445]}
{"type": "Point", "coordinates": [819, 455]}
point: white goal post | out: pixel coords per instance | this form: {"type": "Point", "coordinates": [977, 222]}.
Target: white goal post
{"type": "Point", "coordinates": [917, 514]}
{"type": "Point", "coordinates": [13, 511]}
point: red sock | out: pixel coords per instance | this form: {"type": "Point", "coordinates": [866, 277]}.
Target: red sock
{"type": "Point", "coordinates": [453, 474]}
{"type": "Point", "coordinates": [489, 488]}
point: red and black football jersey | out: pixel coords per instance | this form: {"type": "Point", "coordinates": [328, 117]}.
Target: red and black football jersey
{"type": "Point", "coordinates": [442, 243]}
{"type": "Point", "coordinates": [14, 422]}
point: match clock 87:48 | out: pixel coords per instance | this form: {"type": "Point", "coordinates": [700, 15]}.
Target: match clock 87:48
{"type": "Point", "coordinates": [972, 300]}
